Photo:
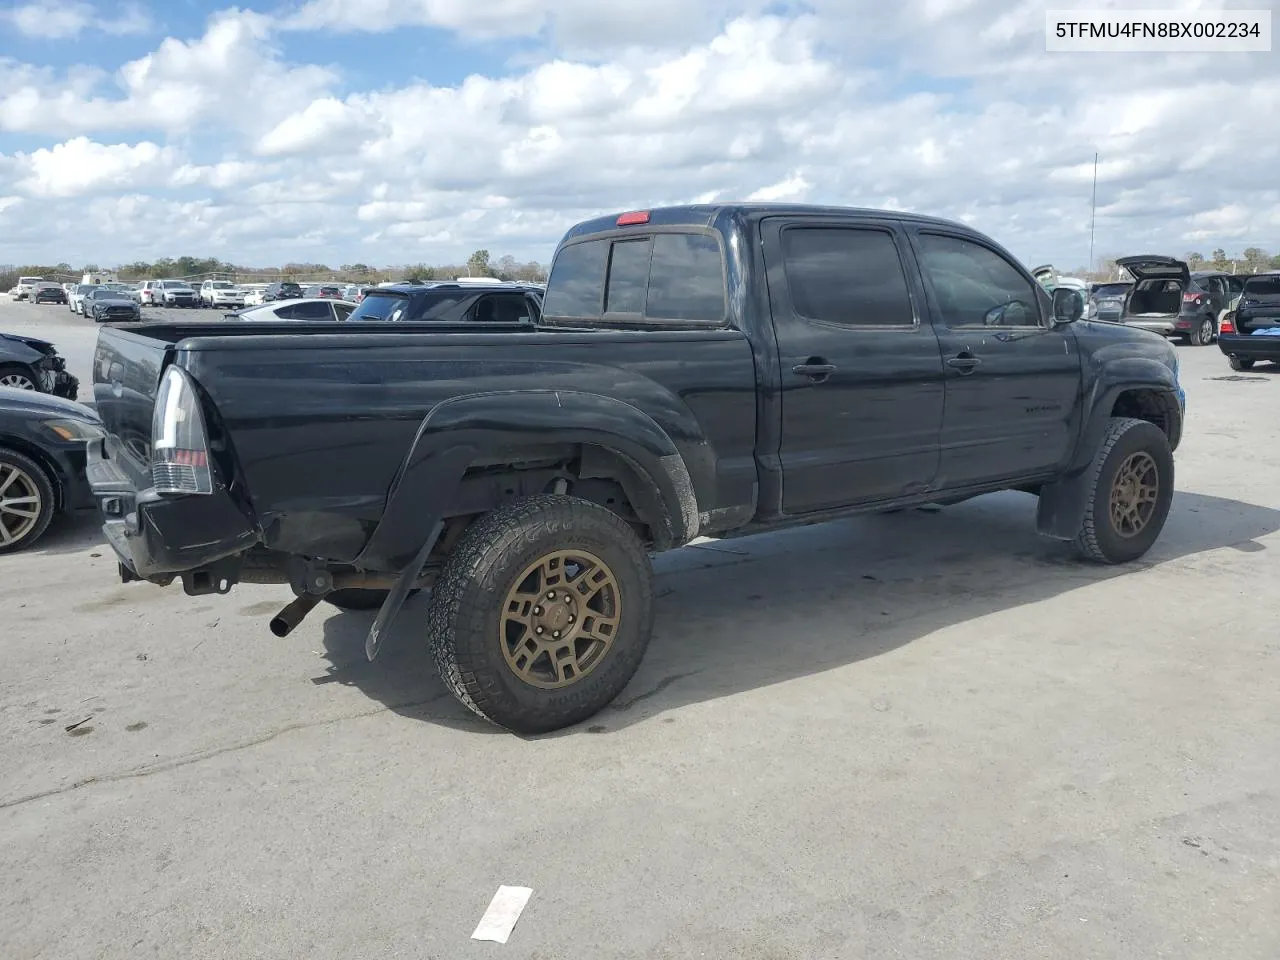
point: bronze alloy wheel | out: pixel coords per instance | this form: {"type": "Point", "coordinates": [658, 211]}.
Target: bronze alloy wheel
{"type": "Point", "coordinates": [1134, 493]}
{"type": "Point", "coordinates": [560, 618]}
{"type": "Point", "coordinates": [20, 504]}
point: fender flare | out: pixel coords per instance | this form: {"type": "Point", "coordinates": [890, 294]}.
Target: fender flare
{"type": "Point", "coordinates": [1063, 501]}
{"type": "Point", "coordinates": [461, 430]}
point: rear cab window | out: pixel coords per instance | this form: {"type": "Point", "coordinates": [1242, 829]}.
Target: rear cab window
{"type": "Point", "coordinates": [667, 278]}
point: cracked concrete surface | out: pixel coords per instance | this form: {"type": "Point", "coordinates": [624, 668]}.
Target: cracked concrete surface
{"type": "Point", "coordinates": [927, 735]}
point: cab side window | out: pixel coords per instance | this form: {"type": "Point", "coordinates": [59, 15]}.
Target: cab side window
{"type": "Point", "coordinates": [975, 286]}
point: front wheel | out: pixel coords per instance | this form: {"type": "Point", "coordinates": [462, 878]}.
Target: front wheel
{"type": "Point", "coordinates": [1131, 490]}
{"type": "Point", "coordinates": [1202, 335]}
{"type": "Point", "coordinates": [17, 377]}
{"type": "Point", "coordinates": [1238, 364]}
{"type": "Point", "coordinates": [27, 499]}
{"type": "Point", "coordinates": [542, 613]}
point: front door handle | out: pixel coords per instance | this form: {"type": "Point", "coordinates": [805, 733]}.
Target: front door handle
{"type": "Point", "coordinates": [966, 362]}
{"type": "Point", "coordinates": [815, 368]}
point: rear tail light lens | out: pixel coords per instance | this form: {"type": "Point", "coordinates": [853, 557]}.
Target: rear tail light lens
{"type": "Point", "coordinates": [1228, 324]}
{"type": "Point", "coordinates": [179, 442]}
{"type": "Point", "coordinates": [1191, 298]}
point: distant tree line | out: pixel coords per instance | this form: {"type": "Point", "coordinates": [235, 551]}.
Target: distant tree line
{"type": "Point", "coordinates": [1253, 260]}
{"type": "Point", "coordinates": [479, 264]}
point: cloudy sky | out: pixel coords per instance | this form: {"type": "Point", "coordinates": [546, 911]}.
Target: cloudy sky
{"type": "Point", "coordinates": [397, 131]}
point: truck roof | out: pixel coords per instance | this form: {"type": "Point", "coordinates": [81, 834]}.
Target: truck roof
{"type": "Point", "coordinates": [707, 214]}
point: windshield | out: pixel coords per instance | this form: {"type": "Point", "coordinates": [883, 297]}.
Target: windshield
{"type": "Point", "coordinates": [222, 285]}
{"type": "Point", "coordinates": [1111, 289]}
{"type": "Point", "coordinates": [381, 306]}
{"type": "Point", "coordinates": [1262, 287]}
{"type": "Point", "coordinates": [176, 285]}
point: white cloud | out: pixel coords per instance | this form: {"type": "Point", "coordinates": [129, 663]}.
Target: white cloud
{"type": "Point", "coordinates": [50, 20]}
{"type": "Point", "coordinates": [949, 107]}
{"type": "Point", "coordinates": [82, 166]}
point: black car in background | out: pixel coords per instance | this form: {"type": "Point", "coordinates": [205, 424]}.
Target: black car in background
{"type": "Point", "coordinates": [104, 304]}
{"type": "Point", "coordinates": [1252, 332]}
{"type": "Point", "coordinates": [28, 363]}
{"type": "Point", "coordinates": [1168, 300]}
{"type": "Point", "coordinates": [452, 303]}
{"type": "Point", "coordinates": [282, 290]}
{"type": "Point", "coordinates": [42, 463]}
{"type": "Point", "coordinates": [48, 293]}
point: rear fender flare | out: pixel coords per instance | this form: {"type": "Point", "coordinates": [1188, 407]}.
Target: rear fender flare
{"type": "Point", "coordinates": [462, 430]}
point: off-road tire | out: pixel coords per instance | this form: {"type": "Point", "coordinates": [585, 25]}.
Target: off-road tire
{"type": "Point", "coordinates": [45, 489]}
{"type": "Point", "coordinates": [463, 618]}
{"type": "Point", "coordinates": [1098, 539]}
{"type": "Point", "coordinates": [1202, 335]}
{"type": "Point", "coordinates": [1238, 364]}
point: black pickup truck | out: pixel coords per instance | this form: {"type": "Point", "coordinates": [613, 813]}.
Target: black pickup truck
{"type": "Point", "coordinates": [700, 370]}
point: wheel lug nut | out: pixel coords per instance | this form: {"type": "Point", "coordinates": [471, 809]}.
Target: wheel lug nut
{"type": "Point", "coordinates": [572, 618]}
{"type": "Point", "coordinates": [537, 611]}
{"type": "Point", "coordinates": [551, 595]}
{"type": "Point", "coordinates": [537, 629]}
{"type": "Point", "coordinates": [556, 634]}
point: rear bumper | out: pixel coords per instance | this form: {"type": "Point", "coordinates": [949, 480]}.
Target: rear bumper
{"type": "Point", "coordinates": [1249, 348]}
{"type": "Point", "coordinates": [156, 535]}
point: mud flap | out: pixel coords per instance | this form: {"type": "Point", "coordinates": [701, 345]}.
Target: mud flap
{"type": "Point", "coordinates": [399, 594]}
{"type": "Point", "coordinates": [1062, 504]}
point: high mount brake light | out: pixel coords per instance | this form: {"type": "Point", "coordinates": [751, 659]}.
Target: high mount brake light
{"type": "Point", "coordinates": [179, 442]}
{"type": "Point", "coordinates": [633, 218]}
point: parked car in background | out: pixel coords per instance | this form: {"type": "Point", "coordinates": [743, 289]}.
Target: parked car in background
{"type": "Point", "coordinates": [253, 294]}
{"type": "Point", "coordinates": [1106, 300]}
{"type": "Point", "coordinates": [42, 463]}
{"type": "Point", "coordinates": [1166, 299]}
{"type": "Point", "coordinates": [1251, 332]}
{"type": "Point", "coordinates": [221, 293]}
{"type": "Point", "coordinates": [177, 293]}
{"type": "Point", "coordinates": [452, 303]}
{"type": "Point", "coordinates": [352, 293]}
{"type": "Point", "coordinates": [28, 363]}
{"type": "Point", "coordinates": [104, 304]}
{"type": "Point", "coordinates": [281, 290]}
{"type": "Point", "coordinates": [75, 303]}
{"type": "Point", "coordinates": [25, 285]}
{"type": "Point", "coordinates": [48, 293]}
{"type": "Point", "coordinates": [328, 290]}
{"type": "Point", "coordinates": [318, 308]}
{"type": "Point", "coordinates": [149, 293]}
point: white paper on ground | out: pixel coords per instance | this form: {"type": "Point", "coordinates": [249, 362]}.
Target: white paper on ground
{"type": "Point", "coordinates": [504, 910]}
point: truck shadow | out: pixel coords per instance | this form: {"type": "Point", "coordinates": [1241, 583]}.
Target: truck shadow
{"type": "Point", "coordinates": [736, 615]}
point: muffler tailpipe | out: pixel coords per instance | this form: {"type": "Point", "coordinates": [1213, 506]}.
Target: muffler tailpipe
{"type": "Point", "coordinates": [282, 623]}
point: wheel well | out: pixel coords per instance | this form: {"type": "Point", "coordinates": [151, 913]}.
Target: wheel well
{"type": "Point", "coordinates": [1158, 407]}
{"type": "Point", "coordinates": [40, 457]}
{"type": "Point", "coordinates": [587, 471]}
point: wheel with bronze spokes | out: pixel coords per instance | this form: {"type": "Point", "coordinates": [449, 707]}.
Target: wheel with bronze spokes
{"type": "Point", "coordinates": [1131, 491]}
{"type": "Point", "coordinates": [542, 613]}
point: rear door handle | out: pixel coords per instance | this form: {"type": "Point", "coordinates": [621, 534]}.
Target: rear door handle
{"type": "Point", "coordinates": [815, 369]}
{"type": "Point", "coordinates": [965, 362]}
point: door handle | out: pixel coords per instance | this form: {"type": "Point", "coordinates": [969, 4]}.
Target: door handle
{"type": "Point", "coordinates": [966, 362]}
{"type": "Point", "coordinates": [815, 368]}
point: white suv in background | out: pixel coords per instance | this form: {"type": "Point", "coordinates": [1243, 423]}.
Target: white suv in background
{"type": "Point", "coordinates": [25, 287]}
{"type": "Point", "coordinates": [220, 293]}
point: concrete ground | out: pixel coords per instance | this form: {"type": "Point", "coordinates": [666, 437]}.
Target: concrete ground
{"type": "Point", "coordinates": [925, 735]}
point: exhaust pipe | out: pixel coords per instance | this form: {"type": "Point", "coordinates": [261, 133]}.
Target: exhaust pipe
{"type": "Point", "coordinates": [282, 623]}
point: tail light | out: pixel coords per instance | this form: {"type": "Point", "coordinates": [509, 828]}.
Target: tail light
{"type": "Point", "coordinates": [1228, 324]}
{"type": "Point", "coordinates": [179, 443]}
{"type": "Point", "coordinates": [1191, 298]}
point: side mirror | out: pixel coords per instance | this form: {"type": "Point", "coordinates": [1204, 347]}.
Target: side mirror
{"type": "Point", "coordinates": [1068, 305]}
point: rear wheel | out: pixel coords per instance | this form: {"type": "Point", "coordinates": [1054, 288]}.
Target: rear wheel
{"type": "Point", "coordinates": [1202, 335]}
{"type": "Point", "coordinates": [1131, 490]}
{"type": "Point", "coordinates": [542, 613]}
{"type": "Point", "coordinates": [1238, 364]}
{"type": "Point", "coordinates": [27, 499]}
